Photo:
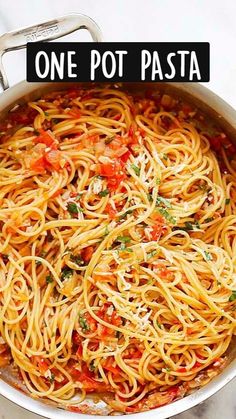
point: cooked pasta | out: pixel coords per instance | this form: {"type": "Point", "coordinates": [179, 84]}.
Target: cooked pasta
{"type": "Point", "coordinates": [118, 248]}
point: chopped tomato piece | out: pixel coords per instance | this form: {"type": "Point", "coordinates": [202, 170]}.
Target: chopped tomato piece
{"type": "Point", "coordinates": [42, 364]}
{"type": "Point", "coordinates": [45, 138]}
{"type": "Point", "coordinates": [85, 377]}
{"type": "Point", "coordinates": [182, 369]}
{"type": "Point", "coordinates": [87, 253]}
{"type": "Point", "coordinates": [109, 366]}
{"type": "Point", "coordinates": [157, 231]}
{"type": "Point", "coordinates": [53, 157]}
{"type": "Point", "coordinates": [38, 165]}
{"type": "Point", "coordinates": [117, 117]}
{"type": "Point", "coordinates": [125, 156]}
{"type": "Point", "coordinates": [111, 211]}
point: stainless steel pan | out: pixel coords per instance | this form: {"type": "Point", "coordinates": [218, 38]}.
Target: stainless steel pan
{"type": "Point", "coordinates": [210, 104]}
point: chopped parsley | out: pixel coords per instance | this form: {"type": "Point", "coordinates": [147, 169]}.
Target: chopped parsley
{"type": "Point", "coordinates": [167, 215]}
{"type": "Point", "coordinates": [49, 279]}
{"type": "Point", "coordinates": [188, 226]}
{"type": "Point", "coordinates": [151, 254]}
{"type": "Point", "coordinates": [123, 248]}
{"type": "Point", "coordinates": [227, 201]}
{"type": "Point", "coordinates": [233, 296]}
{"type": "Point", "coordinates": [77, 259]}
{"type": "Point", "coordinates": [164, 156]}
{"type": "Point", "coordinates": [42, 255]}
{"type": "Point", "coordinates": [121, 217]}
{"type": "Point", "coordinates": [135, 169]}
{"type": "Point", "coordinates": [72, 208]}
{"type": "Point", "coordinates": [83, 323]}
{"type": "Point", "coordinates": [103, 193]}
{"type": "Point", "coordinates": [158, 181]}
{"type": "Point", "coordinates": [207, 255]}
{"type": "Point", "coordinates": [123, 239]}
{"type": "Point", "coordinates": [66, 272]}
{"type": "Point", "coordinates": [163, 201]}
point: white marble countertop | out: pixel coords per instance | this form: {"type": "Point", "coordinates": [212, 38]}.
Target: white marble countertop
{"type": "Point", "coordinates": [139, 20]}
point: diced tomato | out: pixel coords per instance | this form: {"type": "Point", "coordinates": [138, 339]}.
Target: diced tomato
{"type": "Point", "coordinates": [87, 253]}
{"type": "Point", "coordinates": [164, 272]}
{"type": "Point", "coordinates": [109, 366]}
{"type": "Point", "coordinates": [182, 369]}
{"type": "Point", "coordinates": [110, 169]}
{"type": "Point", "coordinates": [85, 377]}
{"type": "Point", "coordinates": [38, 165]}
{"type": "Point", "coordinates": [125, 156]}
{"type": "Point", "coordinates": [197, 364]}
{"type": "Point", "coordinates": [157, 231]}
{"type": "Point", "coordinates": [42, 364]}
{"type": "Point", "coordinates": [45, 138]}
{"type": "Point", "coordinates": [117, 117]}
{"type": "Point", "coordinates": [111, 211]}
{"type": "Point", "coordinates": [53, 157]}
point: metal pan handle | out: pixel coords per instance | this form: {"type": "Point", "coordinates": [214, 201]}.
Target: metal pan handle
{"type": "Point", "coordinates": [45, 31]}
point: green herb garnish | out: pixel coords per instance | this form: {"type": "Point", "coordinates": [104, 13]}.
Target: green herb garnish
{"type": "Point", "coordinates": [233, 296]}
{"type": "Point", "coordinates": [76, 259]}
{"type": "Point", "coordinates": [83, 323]}
{"type": "Point", "coordinates": [49, 279]}
{"type": "Point", "coordinates": [123, 248]}
{"type": "Point", "coordinates": [164, 156]}
{"type": "Point", "coordinates": [135, 169]}
{"type": "Point", "coordinates": [151, 254]}
{"type": "Point", "coordinates": [66, 272]}
{"type": "Point", "coordinates": [227, 201]}
{"type": "Point", "coordinates": [207, 255]}
{"type": "Point", "coordinates": [123, 239]}
{"type": "Point", "coordinates": [163, 201]}
{"type": "Point", "coordinates": [121, 217]}
{"type": "Point", "coordinates": [72, 208]}
{"type": "Point", "coordinates": [188, 226]}
{"type": "Point", "coordinates": [104, 193]}
{"type": "Point", "coordinates": [167, 215]}
{"type": "Point", "coordinates": [158, 181]}
{"type": "Point", "coordinates": [42, 255]}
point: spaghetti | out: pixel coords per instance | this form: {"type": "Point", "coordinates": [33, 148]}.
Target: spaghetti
{"type": "Point", "coordinates": [118, 248]}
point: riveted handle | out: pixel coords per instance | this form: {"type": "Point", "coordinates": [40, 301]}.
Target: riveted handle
{"type": "Point", "coordinates": [46, 31]}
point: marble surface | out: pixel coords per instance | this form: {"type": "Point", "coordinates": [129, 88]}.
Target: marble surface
{"type": "Point", "coordinates": [138, 20]}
